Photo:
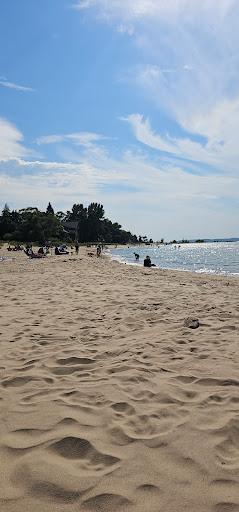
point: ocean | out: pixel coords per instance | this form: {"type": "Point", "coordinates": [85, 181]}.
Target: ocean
{"type": "Point", "coordinates": [220, 258]}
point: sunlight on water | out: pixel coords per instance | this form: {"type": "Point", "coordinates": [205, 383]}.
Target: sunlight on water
{"type": "Point", "coordinates": [210, 258]}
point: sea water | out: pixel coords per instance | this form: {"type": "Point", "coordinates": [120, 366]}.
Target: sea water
{"type": "Point", "coordinates": [210, 258]}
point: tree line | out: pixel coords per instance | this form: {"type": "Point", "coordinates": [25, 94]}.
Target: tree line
{"type": "Point", "coordinates": [32, 225]}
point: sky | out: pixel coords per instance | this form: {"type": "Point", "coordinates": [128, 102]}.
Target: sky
{"type": "Point", "coordinates": [133, 104]}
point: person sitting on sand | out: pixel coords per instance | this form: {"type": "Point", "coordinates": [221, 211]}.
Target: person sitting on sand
{"type": "Point", "coordinates": [32, 255]}
{"type": "Point", "coordinates": [60, 250]}
{"type": "Point", "coordinates": [147, 262]}
{"type": "Point", "coordinates": [28, 250]}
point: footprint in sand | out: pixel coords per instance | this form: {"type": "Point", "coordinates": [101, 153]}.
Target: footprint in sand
{"type": "Point", "coordinates": [218, 382]}
{"type": "Point", "coordinates": [119, 437]}
{"type": "Point", "coordinates": [123, 408]}
{"type": "Point", "coordinates": [150, 489]}
{"type": "Point", "coordinates": [17, 381]}
{"type": "Point", "coordinates": [228, 448]}
{"type": "Point", "coordinates": [226, 507]}
{"type": "Point", "coordinates": [76, 448]}
{"type": "Point", "coordinates": [75, 360]}
{"type": "Point", "coordinates": [107, 503]}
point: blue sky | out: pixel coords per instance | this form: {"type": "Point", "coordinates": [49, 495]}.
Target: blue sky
{"type": "Point", "coordinates": [132, 104]}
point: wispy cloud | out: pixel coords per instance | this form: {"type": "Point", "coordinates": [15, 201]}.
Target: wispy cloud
{"type": "Point", "coordinates": [83, 4]}
{"type": "Point", "coordinates": [147, 187]}
{"type": "Point", "coordinates": [141, 9]}
{"type": "Point", "coordinates": [125, 29]}
{"type": "Point", "coordinates": [16, 87]}
{"type": "Point", "coordinates": [132, 182]}
{"type": "Point", "coordinates": [11, 141]}
{"type": "Point", "coordinates": [81, 138]}
{"type": "Point", "coordinates": [188, 69]}
{"type": "Point", "coordinates": [212, 152]}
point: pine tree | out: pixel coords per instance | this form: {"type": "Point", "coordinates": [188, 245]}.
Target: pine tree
{"type": "Point", "coordinates": [49, 210]}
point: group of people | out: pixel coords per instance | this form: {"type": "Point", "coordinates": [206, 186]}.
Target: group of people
{"type": "Point", "coordinates": [44, 250]}
{"type": "Point", "coordinates": [58, 250]}
{"type": "Point", "coordinates": [34, 255]}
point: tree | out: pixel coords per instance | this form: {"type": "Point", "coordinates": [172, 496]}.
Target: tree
{"type": "Point", "coordinates": [31, 225]}
{"type": "Point", "coordinates": [8, 221]}
{"type": "Point", "coordinates": [61, 216]}
{"type": "Point", "coordinates": [95, 214]}
{"type": "Point", "coordinates": [78, 214]}
{"type": "Point", "coordinates": [49, 210]}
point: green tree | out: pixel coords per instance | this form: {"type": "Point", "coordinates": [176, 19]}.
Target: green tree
{"type": "Point", "coordinates": [95, 215]}
{"type": "Point", "coordinates": [31, 225]}
{"type": "Point", "coordinates": [49, 209]}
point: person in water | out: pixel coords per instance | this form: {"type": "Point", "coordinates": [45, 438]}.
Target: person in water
{"type": "Point", "coordinates": [136, 256]}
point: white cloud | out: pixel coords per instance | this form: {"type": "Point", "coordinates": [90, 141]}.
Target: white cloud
{"type": "Point", "coordinates": [188, 69]}
{"type": "Point", "coordinates": [125, 29]}
{"type": "Point", "coordinates": [16, 87]}
{"type": "Point", "coordinates": [11, 141]}
{"type": "Point", "coordinates": [50, 139]}
{"type": "Point", "coordinates": [138, 9]}
{"type": "Point", "coordinates": [130, 186]}
{"type": "Point", "coordinates": [179, 147]}
{"type": "Point", "coordinates": [83, 4]}
{"type": "Point", "coordinates": [81, 138]}
{"type": "Point", "coordinates": [153, 197]}
{"type": "Point", "coordinates": [85, 138]}
{"type": "Point", "coordinates": [220, 129]}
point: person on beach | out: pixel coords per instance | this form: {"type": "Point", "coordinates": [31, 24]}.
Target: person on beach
{"type": "Point", "coordinates": [147, 262]}
{"type": "Point", "coordinates": [98, 251]}
{"type": "Point", "coordinates": [136, 256]}
{"type": "Point", "coordinates": [28, 251]}
{"type": "Point", "coordinates": [60, 250]}
{"type": "Point", "coordinates": [32, 255]}
{"type": "Point", "coordinates": [77, 247]}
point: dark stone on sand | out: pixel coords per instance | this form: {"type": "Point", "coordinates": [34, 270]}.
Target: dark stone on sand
{"type": "Point", "coordinates": [192, 323]}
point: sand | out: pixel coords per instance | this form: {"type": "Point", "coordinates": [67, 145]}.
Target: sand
{"type": "Point", "coordinates": [108, 401]}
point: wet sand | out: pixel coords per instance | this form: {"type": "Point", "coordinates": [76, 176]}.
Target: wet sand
{"type": "Point", "coordinates": [108, 401]}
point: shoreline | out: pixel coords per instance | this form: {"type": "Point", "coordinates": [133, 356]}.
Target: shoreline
{"type": "Point", "coordinates": [193, 273]}
{"type": "Point", "coordinates": [208, 272]}
{"type": "Point", "coordinates": [108, 399]}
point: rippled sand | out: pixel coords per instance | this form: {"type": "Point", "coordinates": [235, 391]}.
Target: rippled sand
{"type": "Point", "coordinates": [108, 402]}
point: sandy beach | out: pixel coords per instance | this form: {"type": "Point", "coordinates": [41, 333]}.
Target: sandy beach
{"type": "Point", "coordinates": [109, 403]}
